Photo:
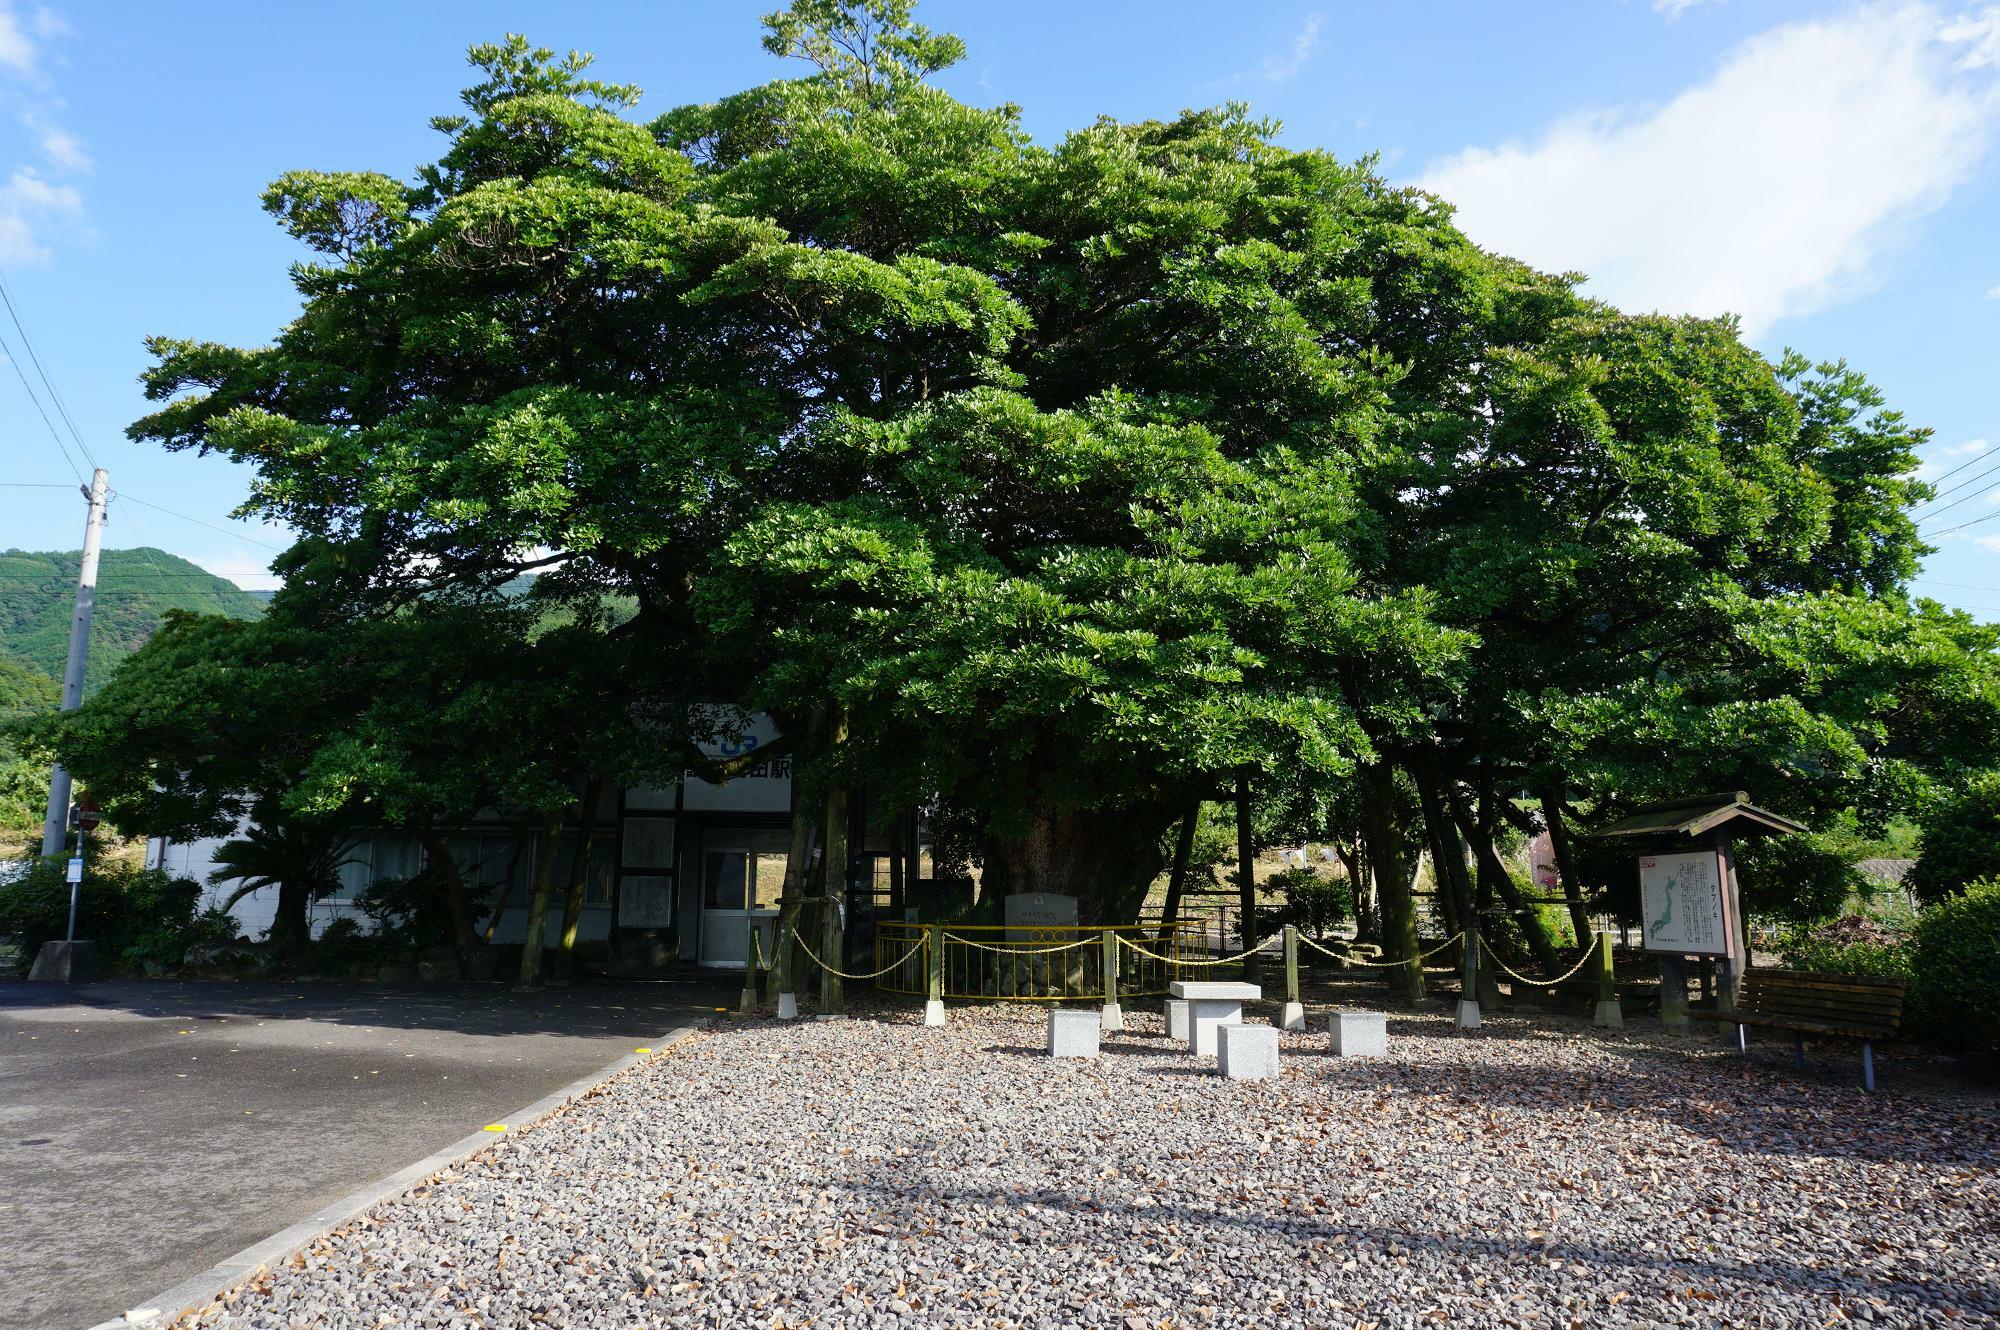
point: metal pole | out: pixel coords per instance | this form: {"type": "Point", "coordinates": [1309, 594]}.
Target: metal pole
{"type": "Point", "coordinates": [76, 887]}
{"type": "Point", "coordinates": [55, 824]}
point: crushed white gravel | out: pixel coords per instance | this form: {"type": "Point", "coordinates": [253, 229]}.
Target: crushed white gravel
{"type": "Point", "coordinates": [871, 1172]}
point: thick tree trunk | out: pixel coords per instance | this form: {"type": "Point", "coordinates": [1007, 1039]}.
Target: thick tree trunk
{"type": "Point", "coordinates": [832, 997]}
{"type": "Point", "coordinates": [1106, 858]}
{"type": "Point", "coordinates": [798, 864]}
{"type": "Point", "coordinates": [538, 903]}
{"type": "Point", "coordinates": [1572, 886]}
{"type": "Point", "coordinates": [1367, 924]}
{"type": "Point", "coordinates": [1246, 877]}
{"type": "Point", "coordinates": [1170, 913]}
{"type": "Point", "coordinates": [291, 926]}
{"type": "Point", "coordinates": [1494, 879]}
{"type": "Point", "coordinates": [1447, 852]}
{"type": "Point", "coordinates": [451, 885]}
{"type": "Point", "coordinates": [579, 876]}
{"type": "Point", "coordinates": [1392, 885]}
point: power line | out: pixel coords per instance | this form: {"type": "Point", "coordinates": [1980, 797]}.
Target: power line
{"type": "Point", "coordinates": [1962, 586]}
{"type": "Point", "coordinates": [277, 549]}
{"type": "Point", "coordinates": [62, 410]}
{"type": "Point", "coordinates": [29, 388]}
{"type": "Point", "coordinates": [1970, 461]}
{"type": "Point", "coordinates": [1963, 484]}
{"type": "Point", "coordinates": [1953, 504]}
{"type": "Point", "coordinates": [1929, 535]}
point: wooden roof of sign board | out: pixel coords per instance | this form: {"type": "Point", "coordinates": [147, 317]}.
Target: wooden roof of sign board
{"type": "Point", "coordinates": [1698, 815]}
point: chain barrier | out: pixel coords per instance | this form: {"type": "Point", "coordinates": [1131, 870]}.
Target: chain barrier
{"type": "Point", "coordinates": [1022, 951]}
{"type": "Point", "coordinates": [1346, 959]}
{"type": "Point", "coordinates": [1169, 960]}
{"type": "Point", "coordinates": [893, 965]}
{"type": "Point", "coordinates": [1500, 965]}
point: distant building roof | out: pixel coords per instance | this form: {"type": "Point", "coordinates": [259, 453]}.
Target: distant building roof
{"type": "Point", "coordinates": [1697, 815]}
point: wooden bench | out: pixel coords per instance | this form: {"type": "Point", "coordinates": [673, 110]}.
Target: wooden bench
{"type": "Point", "coordinates": [1822, 1004]}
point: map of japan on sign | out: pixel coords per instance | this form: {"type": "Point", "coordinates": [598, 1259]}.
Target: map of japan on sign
{"type": "Point", "coordinates": [1681, 895]}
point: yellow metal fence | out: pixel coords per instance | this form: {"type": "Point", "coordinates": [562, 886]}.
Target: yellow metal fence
{"type": "Point", "coordinates": [999, 964]}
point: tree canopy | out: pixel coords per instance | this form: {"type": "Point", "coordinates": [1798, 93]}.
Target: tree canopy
{"type": "Point", "coordinates": [1077, 480]}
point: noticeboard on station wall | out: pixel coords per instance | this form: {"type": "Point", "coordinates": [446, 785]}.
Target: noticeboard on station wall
{"type": "Point", "coordinates": [765, 788]}
{"type": "Point", "coordinates": [1686, 909]}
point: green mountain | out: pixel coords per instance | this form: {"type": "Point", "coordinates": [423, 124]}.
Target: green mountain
{"type": "Point", "coordinates": [135, 589]}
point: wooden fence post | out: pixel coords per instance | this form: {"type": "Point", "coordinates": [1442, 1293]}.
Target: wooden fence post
{"type": "Point", "coordinates": [1294, 1016]}
{"type": "Point", "coordinates": [934, 966]}
{"type": "Point", "coordinates": [1112, 1019]}
{"type": "Point", "coordinates": [788, 1000]}
{"type": "Point", "coordinates": [1609, 1015]}
{"type": "Point", "coordinates": [748, 1002]}
{"type": "Point", "coordinates": [1468, 993]}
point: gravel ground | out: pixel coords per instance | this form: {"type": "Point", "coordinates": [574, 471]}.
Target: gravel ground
{"type": "Point", "coordinates": [869, 1172]}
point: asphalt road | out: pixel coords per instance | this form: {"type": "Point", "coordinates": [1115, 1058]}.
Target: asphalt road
{"type": "Point", "coordinates": [150, 1129]}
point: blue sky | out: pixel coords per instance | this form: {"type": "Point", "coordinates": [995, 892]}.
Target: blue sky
{"type": "Point", "coordinates": [1826, 170]}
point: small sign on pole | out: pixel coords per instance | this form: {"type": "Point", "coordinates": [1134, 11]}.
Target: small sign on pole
{"type": "Point", "coordinates": [75, 873]}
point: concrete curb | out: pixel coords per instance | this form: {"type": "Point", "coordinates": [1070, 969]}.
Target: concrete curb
{"type": "Point", "coordinates": [197, 1292]}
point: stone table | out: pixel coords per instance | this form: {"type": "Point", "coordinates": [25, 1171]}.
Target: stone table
{"type": "Point", "coordinates": [1212, 1004]}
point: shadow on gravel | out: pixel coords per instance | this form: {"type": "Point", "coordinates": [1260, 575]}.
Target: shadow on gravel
{"type": "Point", "coordinates": [1114, 1226]}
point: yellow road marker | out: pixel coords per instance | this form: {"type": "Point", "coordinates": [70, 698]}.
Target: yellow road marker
{"type": "Point", "coordinates": [494, 1126]}
{"type": "Point", "coordinates": [642, 1050]}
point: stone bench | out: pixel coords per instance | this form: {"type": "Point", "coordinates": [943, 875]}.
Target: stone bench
{"type": "Point", "coordinates": [1247, 1052]}
{"type": "Point", "coordinates": [1072, 1034]}
{"type": "Point", "coordinates": [1359, 1034]}
{"type": "Point", "coordinates": [1211, 1005]}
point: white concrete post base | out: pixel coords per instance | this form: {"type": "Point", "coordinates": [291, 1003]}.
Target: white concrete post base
{"type": "Point", "coordinates": [1177, 1020]}
{"type": "Point", "coordinates": [788, 1006]}
{"type": "Point", "coordinates": [1294, 1017]}
{"type": "Point", "coordinates": [1609, 1015]}
{"type": "Point", "coordinates": [1468, 1014]}
{"type": "Point", "coordinates": [1112, 1019]}
{"type": "Point", "coordinates": [933, 1013]}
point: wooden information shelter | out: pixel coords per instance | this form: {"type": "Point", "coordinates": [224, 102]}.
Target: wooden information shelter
{"type": "Point", "coordinates": [1690, 903]}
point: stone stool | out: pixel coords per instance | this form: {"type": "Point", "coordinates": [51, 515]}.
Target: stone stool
{"type": "Point", "coordinates": [1072, 1034]}
{"type": "Point", "coordinates": [1359, 1034]}
{"type": "Point", "coordinates": [1177, 1020]}
{"type": "Point", "coordinates": [1247, 1052]}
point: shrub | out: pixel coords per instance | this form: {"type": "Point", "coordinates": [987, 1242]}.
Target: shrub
{"type": "Point", "coordinates": [1961, 840]}
{"type": "Point", "coordinates": [1955, 982]}
{"type": "Point", "coordinates": [1312, 903]}
{"type": "Point", "coordinates": [1850, 945]}
{"type": "Point", "coordinates": [133, 914]}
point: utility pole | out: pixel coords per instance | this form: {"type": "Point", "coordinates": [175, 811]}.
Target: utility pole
{"type": "Point", "coordinates": [55, 825]}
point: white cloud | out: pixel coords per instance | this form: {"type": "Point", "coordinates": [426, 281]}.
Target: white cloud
{"type": "Point", "coordinates": [1282, 69]}
{"type": "Point", "coordinates": [27, 202]}
{"type": "Point", "coordinates": [1987, 542]}
{"type": "Point", "coordinates": [1673, 9]}
{"type": "Point", "coordinates": [1773, 188]}
{"type": "Point", "coordinates": [1993, 293]}
{"type": "Point", "coordinates": [1935, 464]}
{"type": "Point", "coordinates": [34, 194]}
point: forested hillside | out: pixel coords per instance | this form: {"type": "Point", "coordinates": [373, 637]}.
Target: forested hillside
{"type": "Point", "coordinates": [135, 588]}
